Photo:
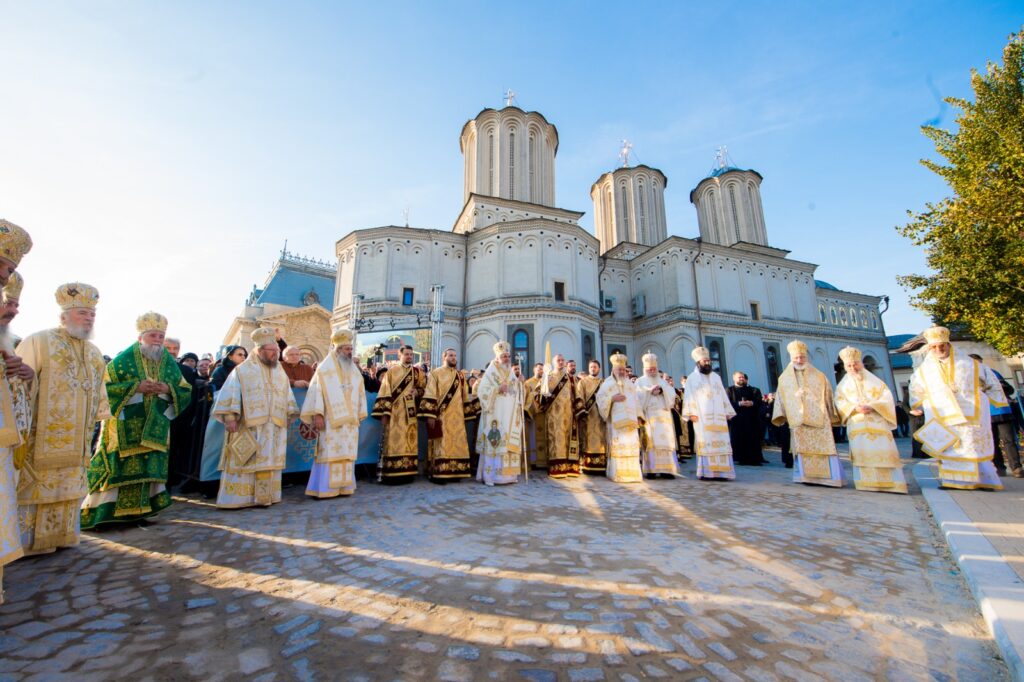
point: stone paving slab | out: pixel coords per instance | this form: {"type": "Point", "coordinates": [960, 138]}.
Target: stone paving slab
{"type": "Point", "coordinates": [968, 520]}
{"type": "Point", "coordinates": [757, 579]}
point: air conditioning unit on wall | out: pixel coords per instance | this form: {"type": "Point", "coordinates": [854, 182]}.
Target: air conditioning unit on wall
{"type": "Point", "coordinates": [607, 303]}
{"type": "Point", "coordinates": [639, 306]}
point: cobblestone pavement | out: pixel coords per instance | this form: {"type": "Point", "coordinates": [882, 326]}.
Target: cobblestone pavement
{"type": "Point", "coordinates": [757, 579]}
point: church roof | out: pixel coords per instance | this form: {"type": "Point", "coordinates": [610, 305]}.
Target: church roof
{"type": "Point", "coordinates": [822, 284]}
{"type": "Point", "coordinates": [296, 281]}
{"type": "Point", "coordinates": [897, 340]}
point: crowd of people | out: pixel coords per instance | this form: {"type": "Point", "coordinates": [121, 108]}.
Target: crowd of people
{"type": "Point", "coordinates": [87, 440]}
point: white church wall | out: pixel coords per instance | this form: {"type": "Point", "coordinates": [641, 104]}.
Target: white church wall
{"type": "Point", "coordinates": [753, 277]}
{"type": "Point", "coordinates": [806, 299]}
{"type": "Point", "coordinates": [480, 339]}
{"type": "Point", "coordinates": [744, 354]}
{"type": "Point", "coordinates": [730, 289]}
{"type": "Point", "coordinates": [778, 290]}
{"type": "Point", "coordinates": [520, 266]}
{"type": "Point", "coordinates": [562, 335]}
{"type": "Point", "coordinates": [484, 270]}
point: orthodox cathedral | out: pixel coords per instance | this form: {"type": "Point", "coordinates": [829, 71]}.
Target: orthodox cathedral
{"type": "Point", "coordinates": [516, 267]}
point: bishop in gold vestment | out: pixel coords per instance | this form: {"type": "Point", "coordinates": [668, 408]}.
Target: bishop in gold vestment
{"type": "Point", "coordinates": [335, 405]}
{"type": "Point", "coordinates": [656, 401]}
{"type": "Point", "coordinates": [561, 406]}
{"type": "Point", "coordinates": [447, 405]}
{"type": "Point", "coordinates": [804, 400]}
{"type": "Point", "coordinates": [256, 405]}
{"type": "Point", "coordinates": [867, 409]}
{"type": "Point", "coordinates": [67, 398]}
{"type": "Point", "coordinates": [397, 408]}
{"type": "Point", "coordinates": [594, 433]}
{"type": "Point", "coordinates": [501, 439]}
{"type": "Point", "coordinates": [619, 404]}
{"type": "Point", "coordinates": [953, 392]}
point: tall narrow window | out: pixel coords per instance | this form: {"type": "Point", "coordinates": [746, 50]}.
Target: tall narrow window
{"type": "Point", "coordinates": [609, 220]}
{"type": "Point", "coordinates": [490, 164]}
{"type": "Point", "coordinates": [407, 296]}
{"type": "Point", "coordinates": [512, 165]}
{"type": "Point", "coordinates": [714, 215]}
{"type": "Point", "coordinates": [642, 212]}
{"type": "Point", "coordinates": [521, 348]}
{"type": "Point", "coordinates": [533, 175]}
{"type": "Point", "coordinates": [625, 211]}
{"type": "Point", "coordinates": [715, 346]}
{"type": "Point", "coordinates": [735, 214]}
{"type": "Point", "coordinates": [752, 210]}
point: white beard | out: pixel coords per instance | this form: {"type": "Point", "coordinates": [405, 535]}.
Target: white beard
{"type": "Point", "coordinates": [77, 332]}
{"type": "Point", "coordinates": [6, 339]}
{"type": "Point", "coordinates": [801, 365]}
{"type": "Point", "coordinates": [153, 351]}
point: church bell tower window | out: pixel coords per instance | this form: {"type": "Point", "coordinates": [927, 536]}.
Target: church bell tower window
{"type": "Point", "coordinates": [512, 165]}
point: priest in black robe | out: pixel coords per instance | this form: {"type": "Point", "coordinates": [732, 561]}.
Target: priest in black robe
{"type": "Point", "coordinates": [746, 429]}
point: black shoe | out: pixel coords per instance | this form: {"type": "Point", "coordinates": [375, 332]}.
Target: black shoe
{"type": "Point", "coordinates": [789, 466]}
{"type": "Point", "coordinates": [649, 477]}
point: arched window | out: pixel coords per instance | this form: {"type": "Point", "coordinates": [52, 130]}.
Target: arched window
{"type": "Point", "coordinates": [717, 357]}
{"type": "Point", "coordinates": [864, 319]}
{"type": "Point", "coordinates": [771, 358]}
{"type": "Point", "coordinates": [822, 313]}
{"type": "Point", "coordinates": [735, 213]}
{"type": "Point", "coordinates": [641, 212]}
{"type": "Point", "coordinates": [842, 316]}
{"type": "Point", "coordinates": [874, 320]}
{"type": "Point", "coordinates": [833, 314]}
{"type": "Point", "coordinates": [625, 211]}
{"type": "Point", "coordinates": [521, 348]}
{"type": "Point", "coordinates": [490, 164]}
{"type": "Point", "coordinates": [714, 213]}
{"type": "Point", "coordinates": [512, 165]}
{"type": "Point", "coordinates": [853, 317]}
{"type": "Point", "coordinates": [608, 219]}
{"type": "Point", "coordinates": [533, 164]}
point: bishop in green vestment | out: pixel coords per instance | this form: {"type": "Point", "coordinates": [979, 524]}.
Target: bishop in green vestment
{"type": "Point", "coordinates": [128, 471]}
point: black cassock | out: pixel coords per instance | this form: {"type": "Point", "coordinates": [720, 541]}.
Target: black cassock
{"type": "Point", "coordinates": [746, 430]}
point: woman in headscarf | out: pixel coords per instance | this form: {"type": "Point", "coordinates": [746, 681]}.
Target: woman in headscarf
{"type": "Point", "coordinates": [213, 443]}
{"type": "Point", "coordinates": [233, 356]}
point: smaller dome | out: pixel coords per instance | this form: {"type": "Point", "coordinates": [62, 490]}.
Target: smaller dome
{"type": "Point", "coordinates": [821, 284]}
{"type": "Point", "coordinates": [723, 170]}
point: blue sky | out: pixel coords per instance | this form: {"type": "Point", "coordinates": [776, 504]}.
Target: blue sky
{"type": "Point", "coordinates": [165, 151]}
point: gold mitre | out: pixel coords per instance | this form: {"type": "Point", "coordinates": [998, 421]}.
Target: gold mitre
{"type": "Point", "coordinates": [501, 348]}
{"type": "Point", "coordinates": [849, 355]}
{"type": "Point", "coordinates": [12, 290]}
{"type": "Point", "coordinates": [263, 336]}
{"type": "Point", "coordinates": [77, 295]}
{"type": "Point", "coordinates": [649, 359]}
{"type": "Point", "coordinates": [619, 360]}
{"type": "Point", "coordinates": [700, 353]}
{"type": "Point", "coordinates": [934, 335]}
{"type": "Point", "coordinates": [14, 242]}
{"type": "Point", "coordinates": [341, 337]}
{"type": "Point", "coordinates": [797, 347]}
{"type": "Point", "coordinates": [151, 322]}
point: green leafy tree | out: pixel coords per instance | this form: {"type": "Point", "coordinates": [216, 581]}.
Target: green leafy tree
{"type": "Point", "coordinates": [974, 239]}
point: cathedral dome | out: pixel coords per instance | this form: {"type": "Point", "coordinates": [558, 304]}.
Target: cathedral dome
{"type": "Point", "coordinates": [510, 153]}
